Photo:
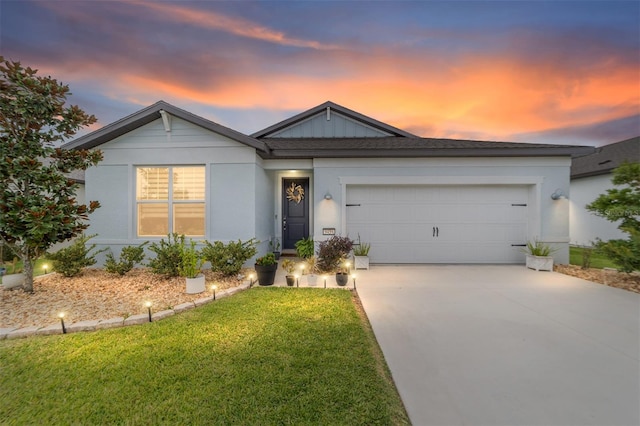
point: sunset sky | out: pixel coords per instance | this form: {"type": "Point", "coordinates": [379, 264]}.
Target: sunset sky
{"type": "Point", "coordinates": [523, 71]}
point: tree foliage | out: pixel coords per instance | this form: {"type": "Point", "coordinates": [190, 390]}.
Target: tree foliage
{"type": "Point", "coordinates": [38, 206]}
{"type": "Point", "coordinates": [622, 204]}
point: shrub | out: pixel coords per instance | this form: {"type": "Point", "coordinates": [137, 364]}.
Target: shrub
{"type": "Point", "coordinates": [333, 252]}
{"type": "Point", "coordinates": [361, 249]}
{"type": "Point", "coordinates": [229, 258]}
{"type": "Point", "coordinates": [266, 260]}
{"type": "Point", "coordinates": [168, 260]}
{"type": "Point", "coordinates": [129, 256]}
{"type": "Point", "coordinates": [305, 248]}
{"type": "Point", "coordinates": [70, 261]}
{"type": "Point", "coordinates": [191, 261]}
{"type": "Point", "coordinates": [538, 248]}
{"type": "Point", "coordinates": [289, 265]}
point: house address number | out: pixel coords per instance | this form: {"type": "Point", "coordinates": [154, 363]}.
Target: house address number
{"type": "Point", "coordinates": [328, 231]}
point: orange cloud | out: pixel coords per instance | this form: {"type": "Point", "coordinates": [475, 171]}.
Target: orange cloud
{"type": "Point", "coordinates": [236, 26]}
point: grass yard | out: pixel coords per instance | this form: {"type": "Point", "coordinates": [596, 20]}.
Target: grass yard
{"type": "Point", "coordinates": [264, 356]}
{"type": "Point", "coordinates": [598, 260]}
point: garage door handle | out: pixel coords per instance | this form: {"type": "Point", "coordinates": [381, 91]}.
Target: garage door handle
{"type": "Point", "coordinates": [437, 231]}
{"type": "Point", "coordinates": [518, 245]}
{"type": "Point", "coordinates": [434, 232]}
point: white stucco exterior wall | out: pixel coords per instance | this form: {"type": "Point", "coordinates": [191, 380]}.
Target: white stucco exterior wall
{"type": "Point", "coordinates": [230, 173]}
{"type": "Point", "coordinates": [548, 219]}
{"type": "Point", "coordinates": [586, 227]}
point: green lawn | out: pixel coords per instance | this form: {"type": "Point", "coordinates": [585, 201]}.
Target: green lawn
{"type": "Point", "coordinates": [38, 266]}
{"type": "Point", "coordinates": [598, 260]}
{"type": "Point", "coordinates": [264, 356]}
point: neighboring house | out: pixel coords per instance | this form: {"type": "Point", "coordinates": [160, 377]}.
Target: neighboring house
{"type": "Point", "coordinates": [327, 170]}
{"type": "Point", "coordinates": [591, 176]}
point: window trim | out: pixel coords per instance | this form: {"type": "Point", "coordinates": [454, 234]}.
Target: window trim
{"type": "Point", "coordinates": [170, 201]}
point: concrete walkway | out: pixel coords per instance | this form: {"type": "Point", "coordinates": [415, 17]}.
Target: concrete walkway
{"type": "Point", "coordinates": [504, 345]}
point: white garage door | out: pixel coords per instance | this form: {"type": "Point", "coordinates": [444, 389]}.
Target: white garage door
{"type": "Point", "coordinates": [439, 224]}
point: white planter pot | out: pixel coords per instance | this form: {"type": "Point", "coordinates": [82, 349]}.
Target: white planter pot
{"type": "Point", "coordinates": [195, 285]}
{"type": "Point", "coordinates": [540, 263]}
{"type": "Point", "coordinates": [312, 280]}
{"type": "Point", "coordinates": [12, 281]}
{"type": "Point", "coordinates": [361, 262]}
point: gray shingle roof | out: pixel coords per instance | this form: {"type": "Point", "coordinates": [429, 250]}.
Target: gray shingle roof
{"type": "Point", "coordinates": [411, 147]}
{"type": "Point", "coordinates": [606, 158]}
{"type": "Point", "coordinates": [152, 113]}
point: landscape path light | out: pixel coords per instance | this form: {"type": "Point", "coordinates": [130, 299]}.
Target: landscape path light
{"type": "Point", "coordinates": [61, 316]}
{"type": "Point", "coordinates": [354, 280]}
{"type": "Point", "coordinates": [252, 277]}
{"type": "Point", "coordinates": [44, 268]}
{"type": "Point", "coordinates": [297, 279]}
{"type": "Point", "coordinates": [213, 289]}
{"type": "Point", "coordinates": [148, 305]}
{"type": "Point", "coordinates": [324, 277]}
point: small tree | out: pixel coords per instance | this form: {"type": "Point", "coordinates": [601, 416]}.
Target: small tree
{"type": "Point", "coordinates": [38, 207]}
{"type": "Point", "coordinates": [622, 204]}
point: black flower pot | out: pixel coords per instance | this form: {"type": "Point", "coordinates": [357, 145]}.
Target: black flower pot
{"type": "Point", "coordinates": [266, 274]}
{"type": "Point", "coordinates": [291, 280]}
{"type": "Point", "coordinates": [342, 279]}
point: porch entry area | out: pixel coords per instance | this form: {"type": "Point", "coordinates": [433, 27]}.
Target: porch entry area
{"type": "Point", "coordinates": [295, 211]}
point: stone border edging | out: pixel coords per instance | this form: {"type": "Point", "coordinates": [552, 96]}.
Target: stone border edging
{"type": "Point", "coordinates": [93, 325]}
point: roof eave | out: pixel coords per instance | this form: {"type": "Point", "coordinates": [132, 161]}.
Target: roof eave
{"type": "Point", "coordinates": [150, 114]}
{"type": "Point", "coordinates": [408, 153]}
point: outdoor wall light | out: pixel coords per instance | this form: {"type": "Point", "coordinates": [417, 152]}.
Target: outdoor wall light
{"type": "Point", "coordinates": [61, 316]}
{"type": "Point", "coordinates": [558, 195]}
{"type": "Point", "coordinates": [213, 289]}
{"type": "Point", "coordinates": [148, 305]}
{"type": "Point", "coordinates": [328, 196]}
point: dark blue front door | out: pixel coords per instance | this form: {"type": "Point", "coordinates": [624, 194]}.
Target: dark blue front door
{"type": "Point", "coordinates": [295, 211]}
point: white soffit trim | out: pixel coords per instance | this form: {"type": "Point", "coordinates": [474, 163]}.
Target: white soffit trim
{"type": "Point", "coordinates": [441, 180]}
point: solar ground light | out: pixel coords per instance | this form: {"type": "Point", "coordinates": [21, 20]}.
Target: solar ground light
{"type": "Point", "coordinates": [213, 289]}
{"type": "Point", "coordinates": [148, 305]}
{"type": "Point", "coordinates": [61, 316]}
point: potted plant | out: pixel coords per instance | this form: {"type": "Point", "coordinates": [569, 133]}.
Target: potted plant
{"type": "Point", "coordinates": [274, 246]}
{"type": "Point", "coordinates": [13, 276]}
{"type": "Point", "coordinates": [190, 268]}
{"type": "Point", "coordinates": [361, 254]}
{"type": "Point", "coordinates": [332, 254]}
{"type": "Point", "coordinates": [305, 248]}
{"type": "Point", "coordinates": [266, 267]}
{"type": "Point", "coordinates": [539, 256]}
{"type": "Point", "coordinates": [312, 267]}
{"type": "Point", "coordinates": [289, 265]}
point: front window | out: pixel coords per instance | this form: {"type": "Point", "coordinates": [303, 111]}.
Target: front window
{"type": "Point", "coordinates": [170, 199]}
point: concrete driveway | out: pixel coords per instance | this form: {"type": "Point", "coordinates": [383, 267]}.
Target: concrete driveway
{"type": "Point", "coordinates": [504, 345]}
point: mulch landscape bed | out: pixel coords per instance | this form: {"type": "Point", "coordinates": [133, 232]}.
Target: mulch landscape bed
{"type": "Point", "coordinates": [97, 294]}
{"type": "Point", "coordinates": [612, 278]}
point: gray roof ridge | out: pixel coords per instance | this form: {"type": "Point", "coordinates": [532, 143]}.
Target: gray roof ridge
{"type": "Point", "coordinates": [339, 108]}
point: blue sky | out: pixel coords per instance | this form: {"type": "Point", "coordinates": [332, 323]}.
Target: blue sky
{"type": "Point", "coordinates": [529, 71]}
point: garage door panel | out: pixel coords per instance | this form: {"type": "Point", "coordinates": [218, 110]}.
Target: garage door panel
{"type": "Point", "coordinates": [474, 223]}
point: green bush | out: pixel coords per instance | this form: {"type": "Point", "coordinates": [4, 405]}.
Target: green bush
{"type": "Point", "coordinates": [191, 261]}
{"type": "Point", "coordinates": [168, 260]}
{"type": "Point", "coordinates": [229, 258]}
{"type": "Point", "coordinates": [266, 260]}
{"type": "Point", "coordinates": [129, 256]}
{"type": "Point", "coordinates": [70, 261]}
{"type": "Point", "coordinates": [305, 248]}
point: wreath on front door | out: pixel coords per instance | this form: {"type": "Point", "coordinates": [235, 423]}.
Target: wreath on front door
{"type": "Point", "coordinates": [295, 193]}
